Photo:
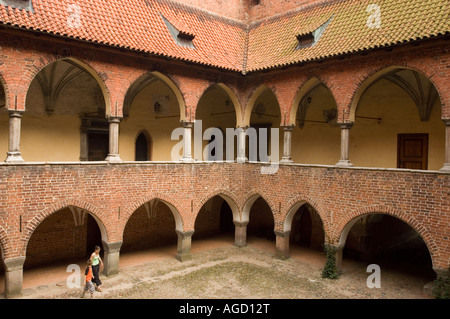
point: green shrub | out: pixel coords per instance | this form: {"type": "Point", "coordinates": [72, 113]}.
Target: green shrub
{"type": "Point", "coordinates": [441, 288]}
{"type": "Point", "coordinates": [330, 271]}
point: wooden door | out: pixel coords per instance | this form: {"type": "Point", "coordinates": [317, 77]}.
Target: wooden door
{"type": "Point", "coordinates": [412, 151]}
{"type": "Point", "coordinates": [98, 146]}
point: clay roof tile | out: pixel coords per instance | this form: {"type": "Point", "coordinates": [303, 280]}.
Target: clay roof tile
{"type": "Point", "coordinates": [230, 44]}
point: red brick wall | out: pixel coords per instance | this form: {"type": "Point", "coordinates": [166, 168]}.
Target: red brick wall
{"type": "Point", "coordinates": [234, 9]}
{"type": "Point", "coordinates": [57, 239]}
{"type": "Point", "coordinates": [314, 229]}
{"type": "Point", "coordinates": [346, 77]}
{"type": "Point", "coordinates": [144, 231]}
{"type": "Point", "coordinates": [207, 222]}
{"type": "Point", "coordinates": [268, 8]}
{"type": "Point", "coordinates": [261, 220]}
{"type": "Point", "coordinates": [23, 56]}
{"type": "Point", "coordinates": [112, 193]}
{"type": "Point", "coordinates": [247, 10]}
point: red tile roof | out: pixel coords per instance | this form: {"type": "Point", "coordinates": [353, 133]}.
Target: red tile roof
{"type": "Point", "coordinates": [228, 44]}
{"type": "Point", "coordinates": [352, 28]}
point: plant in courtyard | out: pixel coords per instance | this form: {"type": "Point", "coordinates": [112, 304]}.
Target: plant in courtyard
{"type": "Point", "coordinates": [441, 288]}
{"type": "Point", "coordinates": [329, 270]}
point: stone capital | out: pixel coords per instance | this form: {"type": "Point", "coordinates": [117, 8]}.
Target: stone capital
{"type": "Point", "coordinates": [187, 124]}
{"type": "Point", "coordinates": [184, 234]}
{"type": "Point", "coordinates": [114, 119]}
{"type": "Point", "coordinates": [113, 247]}
{"type": "Point", "coordinates": [288, 127]}
{"type": "Point", "coordinates": [13, 264]}
{"type": "Point", "coordinates": [15, 113]}
{"type": "Point", "coordinates": [347, 125]}
{"type": "Point", "coordinates": [282, 233]}
{"type": "Point", "coordinates": [240, 223]}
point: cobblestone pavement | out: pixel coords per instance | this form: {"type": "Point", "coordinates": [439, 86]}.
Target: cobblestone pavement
{"type": "Point", "coordinates": [248, 273]}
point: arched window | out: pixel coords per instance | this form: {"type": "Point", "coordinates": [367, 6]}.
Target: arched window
{"type": "Point", "coordinates": [143, 147]}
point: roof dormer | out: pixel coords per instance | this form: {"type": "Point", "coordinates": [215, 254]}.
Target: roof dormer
{"type": "Point", "coordinates": [19, 4]}
{"type": "Point", "coordinates": [310, 39]}
{"type": "Point", "coordinates": [182, 38]}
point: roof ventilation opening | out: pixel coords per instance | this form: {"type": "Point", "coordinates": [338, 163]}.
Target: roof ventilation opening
{"type": "Point", "coordinates": [182, 38]}
{"type": "Point", "coordinates": [310, 39]}
{"type": "Point", "coordinates": [305, 40]}
{"type": "Point", "coordinates": [19, 4]}
{"type": "Point", "coordinates": [185, 39]}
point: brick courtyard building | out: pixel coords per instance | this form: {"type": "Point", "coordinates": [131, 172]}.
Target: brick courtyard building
{"type": "Point", "coordinates": [91, 93]}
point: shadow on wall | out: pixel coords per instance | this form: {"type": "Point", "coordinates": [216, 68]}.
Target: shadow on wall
{"type": "Point", "coordinates": [389, 242]}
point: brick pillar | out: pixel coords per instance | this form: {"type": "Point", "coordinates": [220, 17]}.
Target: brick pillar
{"type": "Point", "coordinates": [345, 142]}
{"type": "Point", "coordinates": [13, 276]}
{"type": "Point", "coordinates": [287, 145]}
{"type": "Point", "coordinates": [240, 234]}
{"type": "Point", "coordinates": [113, 156]}
{"type": "Point", "coordinates": [241, 158]}
{"type": "Point", "coordinates": [187, 142]}
{"type": "Point", "coordinates": [282, 244]}
{"type": "Point", "coordinates": [446, 166]}
{"type": "Point", "coordinates": [111, 258]}
{"type": "Point", "coordinates": [184, 245]}
{"type": "Point", "coordinates": [339, 255]}
{"type": "Point", "coordinates": [14, 155]}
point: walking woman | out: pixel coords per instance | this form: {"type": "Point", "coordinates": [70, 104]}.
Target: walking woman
{"type": "Point", "coordinates": [97, 265]}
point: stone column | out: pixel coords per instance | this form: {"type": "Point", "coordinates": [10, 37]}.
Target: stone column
{"type": "Point", "coordinates": [84, 143]}
{"type": "Point", "coordinates": [287, 145]}
{"type": "Point", "coordinates": [184, 245]}
{"type": "Point", "coordinates": [113, 156]}
{"type": "Point", "coordinates": [187, 140]}
{"type": "Point", "coordinates": [111, 258]}
{"type": "Point", "coordinates": [241, 158]}
{"type": "Point", "coordinates": [13, 276]}
{"type": "Point", "coordinates": [446, 166]}
{"type": "Point", "coordinates": [14, 155]}
{"type": "Point", "coordinates": [345, 142]}
{"type": "Point", "coordinates": [282, 244]}
{"type": "Point", "coordinates": [240, 234]}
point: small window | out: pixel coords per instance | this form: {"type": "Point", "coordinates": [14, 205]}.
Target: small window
{"type": "Point", "coordinates": [143, 147]}
{"type": "Point", "coordinates": [305, 40]}
{"type": "Point", "coordinates": [185, 36]}
{"type": "Point", "coordinates": [185, 39]}
{"type": "Point", "coordinates": [310, 39]}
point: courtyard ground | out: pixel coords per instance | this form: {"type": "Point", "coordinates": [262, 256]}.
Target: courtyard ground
{"type": "Point", "coordinates": [219, 270]}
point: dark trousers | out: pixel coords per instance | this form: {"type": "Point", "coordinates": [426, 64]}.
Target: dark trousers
{"type": "Point", "coordinates": [95, 270]}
